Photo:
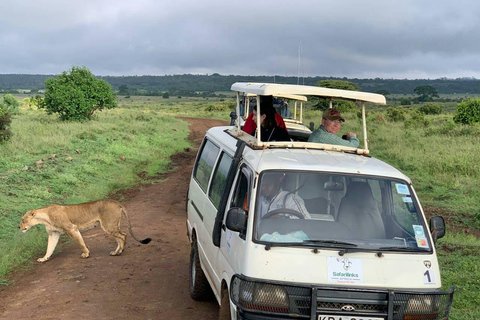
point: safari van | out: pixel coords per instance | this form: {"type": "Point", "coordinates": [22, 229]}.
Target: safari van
{"type": "Point", "coordinates": [301, 230]}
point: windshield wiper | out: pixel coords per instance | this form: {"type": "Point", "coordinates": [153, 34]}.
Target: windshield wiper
{"type": "Point", "coordinates": [329, 242]}
{"type": "Point", "coordinates": [310, 243]}
{"type": "Point", "coordinates": [406, 249]}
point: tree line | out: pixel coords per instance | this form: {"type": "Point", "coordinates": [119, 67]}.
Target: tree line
{"type": "Point", "coordinates": [158, 85]}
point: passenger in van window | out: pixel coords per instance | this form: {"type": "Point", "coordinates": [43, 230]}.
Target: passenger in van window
{"type": "Point", "coordinates": [273, 197]}
{"type": "Point", "coordinates": [327, 132]}
{"type": "Point", "coordinates": [250, 124]}
{"type": "Point", "coordinates": [269, 129]}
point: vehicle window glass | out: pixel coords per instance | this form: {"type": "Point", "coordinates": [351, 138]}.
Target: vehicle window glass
{"type": "Point", "coordinates": [241, 196]}
{"type": "Point", "coordinates": [369, 212]}
{"type": "Point", "coordinates": [205, 163]}
{"type": "Point", "coordinates": [219, 179]}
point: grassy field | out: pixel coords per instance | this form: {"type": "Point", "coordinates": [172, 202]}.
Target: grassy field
{"type": "Point", "coordinates": [96, 158]}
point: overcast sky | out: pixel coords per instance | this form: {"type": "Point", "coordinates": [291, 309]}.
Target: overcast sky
{"type": "Point", "coordinates": [414, 39]}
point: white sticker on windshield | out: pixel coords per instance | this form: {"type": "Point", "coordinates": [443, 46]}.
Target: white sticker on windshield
{"type": "Point", "coordinates": [420, 236]}
{"type": "Point", "coordinates": [345, 270]}
{"type": "Point", "coordinates": [402, 189]}
{"type": "Point", "coordinates": [407, 199]}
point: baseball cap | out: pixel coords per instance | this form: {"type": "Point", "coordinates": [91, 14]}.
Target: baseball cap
{"type": "Point", "coordinates": [332, 114]}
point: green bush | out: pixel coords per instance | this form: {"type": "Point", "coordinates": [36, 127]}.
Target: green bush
{"type": "Point", "coordinates": [405, 101]}
{"type": "Point", "coordinates": [395, 114]}
{"type": "Point", "coordinates": [468, 111]}
{"type": "Point", "coordinates": [431, 108]}
{"type": "Point", "coordinates": [8, 107]}
{"type": "Point", "coordinates": [77, 94]}
{"type": "Point", "coordinates": [417, 119]}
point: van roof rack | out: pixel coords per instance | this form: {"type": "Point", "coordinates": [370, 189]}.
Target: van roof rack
{"type": "Point", "coordinates": [299, 92]}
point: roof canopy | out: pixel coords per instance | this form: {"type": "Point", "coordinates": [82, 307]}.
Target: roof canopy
{"type": "Point", "coordinates": [285, 90]}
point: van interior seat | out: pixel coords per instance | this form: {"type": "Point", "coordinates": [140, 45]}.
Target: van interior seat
{"type": "Point", "coordinates": [317, 207]}
{"type": "Point", "coordinates": [359, 211]}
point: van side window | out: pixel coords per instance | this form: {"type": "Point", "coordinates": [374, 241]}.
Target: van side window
{"type": "Point", "coordinates": [241, 196]}
{"type": "Point", "coordinates": [219, 179]}
{"type": "Point", "coordinates": [204, 166]}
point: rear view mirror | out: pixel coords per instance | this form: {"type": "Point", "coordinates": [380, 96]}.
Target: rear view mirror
{"type": "Point", "coordinates": [333, 186]}
{"type": "Point", "coordinates": [237, 220]}
{"type": "Point", "coordinates": [437, 227]}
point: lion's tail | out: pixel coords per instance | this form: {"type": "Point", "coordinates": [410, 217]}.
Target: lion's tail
{"type": "Point", "coordinates": [144, 241]}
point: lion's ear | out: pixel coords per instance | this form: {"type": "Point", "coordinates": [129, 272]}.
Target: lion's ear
{"type": "Point", "coordinates": [33, 212]}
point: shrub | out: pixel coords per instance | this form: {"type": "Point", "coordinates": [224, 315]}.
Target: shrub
{"type": "Point", "coordinates": [395, 114]}
{"type": "Point", "coordinates": [468, 111]}
{"type": "Point", "coordinates": [76, 95]}
{"type": "Point", "coordinates": [8, 106]}
{"type": "Point", "coordinates": [431, 108]}
{"type": "Point", "coordinates": [405, 101]}
{"type": "Point", "coordinates": [416, 119]}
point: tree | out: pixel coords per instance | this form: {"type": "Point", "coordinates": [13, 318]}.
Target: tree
{"type": "Point", "coordinates": [8, 107]}
{"type": "Point", "coordinates": [426, 93]}
{"type": "Point", "coordinates": [123, 90]}
{"type": "Point", "coordinates": [383, 92]}
{"type": "Point", "coordinates": [342, 106]}
{"type": "Point", "coordinates": [468, 112]}
{"type": "Point", "coordinates": [77, 94]}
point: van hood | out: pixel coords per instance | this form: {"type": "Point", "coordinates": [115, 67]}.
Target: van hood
{"type": "Point", "coordinates": [392, 270]}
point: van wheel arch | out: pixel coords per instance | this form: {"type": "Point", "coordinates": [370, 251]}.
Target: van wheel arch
{"type": "Point", "coordinates": [224, 313]}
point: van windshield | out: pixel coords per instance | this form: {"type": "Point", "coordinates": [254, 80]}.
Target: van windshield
{"type": "Point", "coordinates": [335, 210]}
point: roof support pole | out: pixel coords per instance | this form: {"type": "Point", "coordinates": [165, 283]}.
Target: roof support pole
{"type": "Point", "coordinates": [295, 112]}
{"type": "Point", "coordinates": [364, 121]}
{"type": "Point", "coordinates": [330, 104]}
{"type": "Point", "coordinates": [301, 113]}
{"type": "Point", "coordinates": [258, 121]}
{"type": "Point", "coordinates": [238, 111]}
{"type": "Point", "coordinates": [247, 107]}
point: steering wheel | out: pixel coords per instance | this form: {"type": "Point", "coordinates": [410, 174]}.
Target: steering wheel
{"type": "Point", "coordinates": [283, 210]}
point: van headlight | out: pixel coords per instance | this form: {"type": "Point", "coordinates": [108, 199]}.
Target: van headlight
{"type": "Point", "coordinates": [260, 296]}
{"type": "Point", "coordinates": [422, 307]}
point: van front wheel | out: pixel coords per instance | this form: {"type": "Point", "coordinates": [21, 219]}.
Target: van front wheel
{"type": "Point", "coordinates": [199, 287]}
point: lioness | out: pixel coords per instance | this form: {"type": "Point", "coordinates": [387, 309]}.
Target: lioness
{"type": "Point", "coordinates": [73, 218]}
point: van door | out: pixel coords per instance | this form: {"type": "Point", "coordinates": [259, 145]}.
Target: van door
{"type": "Point", "coordinates": [215, 193]}
{"type": "Point", "coordinates": [232, 244]}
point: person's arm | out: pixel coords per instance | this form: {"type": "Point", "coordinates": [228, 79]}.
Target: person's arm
{"type": "Point", "coordinates": [296, 203]}
{"type": "Point", "coordinates": [321, 136]}
{"type": "Point", "coordinates": [250, 125]}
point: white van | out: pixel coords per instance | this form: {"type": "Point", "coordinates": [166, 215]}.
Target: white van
{"type": "Point", "coordinates": [299, 230]}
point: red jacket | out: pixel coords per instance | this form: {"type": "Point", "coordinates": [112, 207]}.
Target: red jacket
{"type": "Point", "coordinates": [250, 125]}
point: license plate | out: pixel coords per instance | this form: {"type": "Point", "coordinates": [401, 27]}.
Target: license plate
{"type": "Point", "coordinates": [332, 317]}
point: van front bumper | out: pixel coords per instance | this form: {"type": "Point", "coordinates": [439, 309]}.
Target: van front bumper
{"type": "Point", "coordinates": [266, 300]}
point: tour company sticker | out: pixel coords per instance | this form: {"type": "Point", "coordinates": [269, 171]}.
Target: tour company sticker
{"type": "Point", "coordinates": [420, 236]}
{"type": "Point", "coordinates": [407, 199]}
{"type": "Point", "coordinates": [345, 270]}
{"type": "Point", "coordinates": [402, 189]}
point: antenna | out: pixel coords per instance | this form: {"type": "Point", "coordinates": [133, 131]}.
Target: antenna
{"type": "Point", "coordinates": [300, 64]}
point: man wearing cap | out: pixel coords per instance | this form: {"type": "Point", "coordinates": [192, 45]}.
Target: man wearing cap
{"type": "Point", "coordinates": [327, 132]}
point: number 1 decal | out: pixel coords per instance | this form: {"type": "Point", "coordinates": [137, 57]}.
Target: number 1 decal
{"type": "Point", "coordinates": [429, 277]}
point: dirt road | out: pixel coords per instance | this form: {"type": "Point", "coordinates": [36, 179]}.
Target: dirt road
{"type": "Point", "coordinates": [145, 282]}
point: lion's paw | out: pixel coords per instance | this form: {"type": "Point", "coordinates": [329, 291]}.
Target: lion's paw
{"type": "Point", "coordinates": [85, 255]}
{"type": "Point", "coordinates": [42, 259]}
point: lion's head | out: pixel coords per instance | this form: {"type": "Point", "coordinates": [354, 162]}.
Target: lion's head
{"type": "Point", "coordinates": [27, 221]}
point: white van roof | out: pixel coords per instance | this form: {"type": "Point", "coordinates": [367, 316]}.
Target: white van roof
{"type": "Point", "coordinates": [282, 90]}
{"type": "Point", "coordinates": [305, 159]}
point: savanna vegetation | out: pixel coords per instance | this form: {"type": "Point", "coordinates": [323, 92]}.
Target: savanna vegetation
{"type": "Point", "coordinates": [47, 160]}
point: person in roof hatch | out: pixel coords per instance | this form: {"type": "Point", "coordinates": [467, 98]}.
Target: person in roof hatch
{"type": "Point", "coordinates": [250, 124]}
{"type": "Point", "coordinates": [327, 132]}
{"type": "Point", "coordinates": [269, 129]}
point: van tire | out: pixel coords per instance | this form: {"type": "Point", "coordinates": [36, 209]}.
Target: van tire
{"type": "Point", "coordinates": [224, 312]}
{"type": "Point", "coordinates": [199, 286]}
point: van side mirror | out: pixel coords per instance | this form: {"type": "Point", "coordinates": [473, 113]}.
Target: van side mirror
{"type": "Point", "coordinates": [237, 220]}
{"type": "Point", "coordinates": [437, 227]}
